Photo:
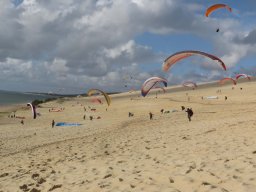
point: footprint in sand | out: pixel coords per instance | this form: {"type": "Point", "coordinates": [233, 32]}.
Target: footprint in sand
{"type": "Point", "coordinates": [120, 179]}
{"type": "Point", "coordinates": [171, 180]}
{"type": "Point", "coordinates": [55, 187]}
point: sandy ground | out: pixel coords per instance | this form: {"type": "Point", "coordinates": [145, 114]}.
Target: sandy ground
{"type": "Point", "coordinates": [215, 152]}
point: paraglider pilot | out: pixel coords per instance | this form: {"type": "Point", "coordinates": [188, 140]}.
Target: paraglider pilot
{"type": "Point", "coordinates": [190, 113]}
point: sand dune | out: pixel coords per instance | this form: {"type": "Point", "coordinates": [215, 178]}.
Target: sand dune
{"type": "Point", "coordinates": [214, 152]}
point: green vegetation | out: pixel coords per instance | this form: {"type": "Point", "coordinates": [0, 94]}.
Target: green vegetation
{"type": "Point", "coordinates": [37, 102]}
{"type": "Point", "coordinates": [2, 114]}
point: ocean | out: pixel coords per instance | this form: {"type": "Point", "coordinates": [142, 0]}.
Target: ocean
{"type": "Point", "coordinates": [11, 98]}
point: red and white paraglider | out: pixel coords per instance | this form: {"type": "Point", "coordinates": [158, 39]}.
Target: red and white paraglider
{"type": "Point", "coordinates": [238, 76]}
{"type": "Point", "coordinates": [227, 79]}
{"type": "Point", "coordinates": [33, 109]}
{"type": "Point", "coordinates": [173, 59]}
{"type": "Point", "coordinates": [151, 83]}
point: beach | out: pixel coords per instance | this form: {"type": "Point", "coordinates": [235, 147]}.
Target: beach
{"type": "Point", "coordinates": [214, 152]}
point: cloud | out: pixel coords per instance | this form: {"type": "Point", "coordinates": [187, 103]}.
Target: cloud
{"type": "Point", "coordinates": [80, 43]}
{"type": "Point", "coordinates": [250, 38]}
{"type": "Point", "coordinates": [15, 67]}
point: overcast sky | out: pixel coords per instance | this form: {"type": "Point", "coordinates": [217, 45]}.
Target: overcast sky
{"type": "Point", "coordinates": [69, 46]}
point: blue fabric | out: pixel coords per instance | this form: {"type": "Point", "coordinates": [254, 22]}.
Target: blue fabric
{"type": "Point", "coordinates": [67, 124]}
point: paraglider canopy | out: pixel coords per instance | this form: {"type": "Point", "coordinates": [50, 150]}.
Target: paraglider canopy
{"type": "Point", "coordinates": [97, 91]}
{"type": "Point", "coordinates": [227, 79]}
{"type": "Point", "coordinates": [33, 109]}
{"type": "Point", "coordinates": [171, 60]}
{"type": "Point", "coordinates": [150, 83]}
{"type": "Point", "coordinates": [213, 8]}
{"type": "Point", "coordinates": [243, 75]}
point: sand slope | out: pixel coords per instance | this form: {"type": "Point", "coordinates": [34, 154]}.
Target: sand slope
{"type": "Point", "coordinates": [215, 152]}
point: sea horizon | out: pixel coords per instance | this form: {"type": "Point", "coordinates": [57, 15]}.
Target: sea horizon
{"type": "Point", "coordinates": [14, 97]}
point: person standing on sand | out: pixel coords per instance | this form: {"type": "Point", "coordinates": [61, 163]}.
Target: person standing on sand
{"type": "Point", "coordinates": [22, 122]}
{"type": "Point", "coordinates": [84, 117]}
{"type": "Point", "coordinates": [190, 113]}
{"type": "Point", "coordinates": [53, 123]}
{"type": "Point", "coordinates": [226, 98]}
{"type": "Point", "coordinates": [150, 115]}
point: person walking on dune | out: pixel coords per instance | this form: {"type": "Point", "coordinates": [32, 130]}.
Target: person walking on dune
{"type": "Point", "coordinates": [190, 113]}
{"type": "Point", "coordinates": [53, 123]}
{"type": "Point", "coordinates": [150, 115]}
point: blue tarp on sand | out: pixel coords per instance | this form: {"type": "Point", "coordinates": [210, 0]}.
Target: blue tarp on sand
{"type": "Point", "coordinates": [67, 124]}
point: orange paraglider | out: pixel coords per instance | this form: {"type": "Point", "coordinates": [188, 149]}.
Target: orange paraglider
{"type": "Point", "coordinates": [215, 7]}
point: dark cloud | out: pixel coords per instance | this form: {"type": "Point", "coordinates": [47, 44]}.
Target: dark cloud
{"type": "Point", "coordinates": [248, 39]}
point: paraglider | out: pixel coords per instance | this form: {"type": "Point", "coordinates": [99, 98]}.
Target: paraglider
{"type": "Point", "coordinates": [243, 75]}
{"type": "Point", "coordinates": [189, 84]}
{"type": "Point", "coordinates": [171, 60]}
{"type": "Point", "coordinates": [222, 81]}
{"type": "Point", "coordinates": [33, 109]}
{"type": "Point", "coordinates": [215, 7]}
{"type": "Point", "coordinates": [97, 91]}
{"type": "Point", "coordinates": [150, 83]}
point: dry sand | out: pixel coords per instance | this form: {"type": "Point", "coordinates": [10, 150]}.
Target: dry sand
{"type": "Point", "coordinates": [215, 152]}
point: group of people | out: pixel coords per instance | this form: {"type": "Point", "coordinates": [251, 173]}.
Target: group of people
{"type": "Point", "coordinates": [12, 115]}
{"type": "Point", "coordinates": [189, 112]}
{"type": "Point", "coordinates": [130, 114]}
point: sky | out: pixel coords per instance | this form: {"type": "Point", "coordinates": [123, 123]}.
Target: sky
{"type": "Point", "coordinates": [70, 46]}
